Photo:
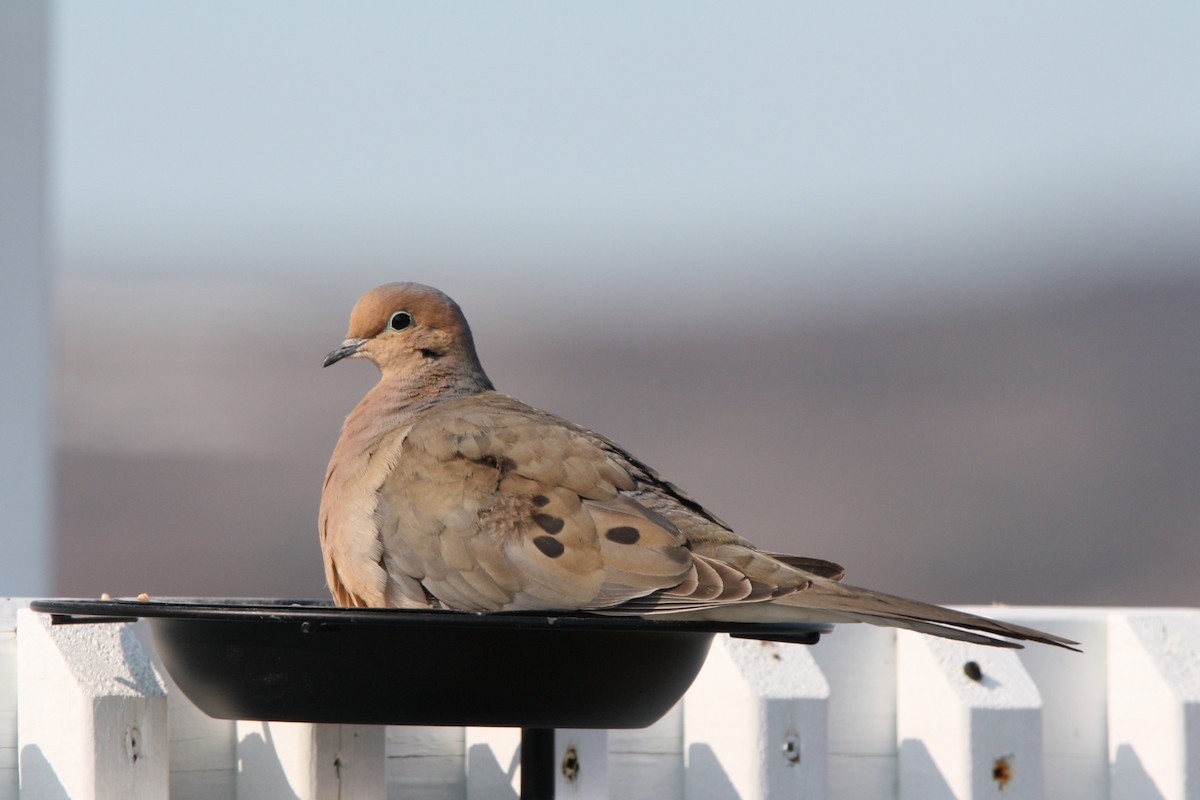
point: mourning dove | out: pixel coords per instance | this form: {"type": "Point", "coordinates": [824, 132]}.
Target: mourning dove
{"type": "Point", "coordinates": [444, 493]}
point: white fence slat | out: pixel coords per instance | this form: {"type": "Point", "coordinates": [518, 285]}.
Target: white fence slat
{"type": "Point", "coordinates": [494, 764]}
{"type": "Point", "coordinates": [581, 761]}
{"type": "Point", "coordinates": [1074, 692]}
{"type": "Point", "coordinates": [859, 662]}
{"type": "Point", "coordinates": [754, 723]}
{"type": "Point", "coordinates": [203, 752]}
{"type": "Point", "coordinates": [9, 780]}
{"type": "Point", "coordinates": [648, 762]}
{"type": "Point", "coordinates": [306, 761]}
{"type": "Point", "coordinates": [425, 763]}
{"type": "Point", "coordinates": [92, 713]}
{"type": "Point", "coordinates": [968, 722]}
{"type": "Point", "coordinates": [1154, 705]}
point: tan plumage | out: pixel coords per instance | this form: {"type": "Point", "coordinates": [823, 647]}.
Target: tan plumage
{"type": "Point", "coordinates": [443, 492]}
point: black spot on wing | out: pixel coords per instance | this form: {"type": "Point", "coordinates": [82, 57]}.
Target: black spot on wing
{"type": "Point", "coordinates": [548, 522]}
{"type": "Point", "coordinates": [550, 547]}
{"type": "Point", "coordinates": [624, 534]}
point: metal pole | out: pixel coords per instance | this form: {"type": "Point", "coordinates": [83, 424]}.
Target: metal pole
{"type": "Point", "coordinates": [537, 764]}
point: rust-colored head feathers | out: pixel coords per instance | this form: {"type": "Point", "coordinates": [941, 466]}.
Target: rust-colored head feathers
{"type": "Point", "coordinates": [412, 329]}
{"type": "Point", "coordinates": [430, 307]}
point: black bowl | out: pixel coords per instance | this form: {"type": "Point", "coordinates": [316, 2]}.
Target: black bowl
{"type": "Point", "coordinates": [304, 661]}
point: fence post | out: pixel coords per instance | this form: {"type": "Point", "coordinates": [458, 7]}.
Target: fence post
{"type": "Point", "coordinates": [859, 662]}
{"type": "Point", "coordinates": [425, 762]}
{"type": "Point", "coordinates": [1154, 705]}
{"type": "Point", "coordinates": [968, 722]}
{"type": "Point", "coordinates": [91, 715]}
{"type": "Point", "coordinates": [493, 759]}
{"type": "Point", "coordinates": [1074, 692]}
{"type": "Point", "coordinates": [9, 776]}
{"type": "Point", "coordinates": [754, 723]}
{"type": "Point", "coordinates": [648, 762]}
{"type": "Point", "coordinates": [307, 761]}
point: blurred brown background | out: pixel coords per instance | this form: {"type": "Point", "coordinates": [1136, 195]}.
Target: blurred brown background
{"type": "Point", "coordinates": [1040, 449]}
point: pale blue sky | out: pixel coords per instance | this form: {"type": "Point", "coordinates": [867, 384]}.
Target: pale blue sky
{"type": "Point", "coordinates": [800, 148]}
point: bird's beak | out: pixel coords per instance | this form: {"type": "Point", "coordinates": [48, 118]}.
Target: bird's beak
{"type": "Point", "coordinates": [345, 350]}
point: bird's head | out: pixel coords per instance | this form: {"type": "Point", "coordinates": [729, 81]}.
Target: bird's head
{"type": "Point", "coordinates": [412, 330]}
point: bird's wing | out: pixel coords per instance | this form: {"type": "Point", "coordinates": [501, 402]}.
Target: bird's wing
{"type": "Point", "coordinates": [494, 505]}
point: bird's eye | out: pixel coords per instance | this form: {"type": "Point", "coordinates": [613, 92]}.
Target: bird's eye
{"type": "Point", "coordinates": [400, 320]}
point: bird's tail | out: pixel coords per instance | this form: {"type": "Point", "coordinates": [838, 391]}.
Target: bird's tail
{"type": "Point", "coordinates": [829, 601]}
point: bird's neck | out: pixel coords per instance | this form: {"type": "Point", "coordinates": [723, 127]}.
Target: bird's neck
{"type": "Point", "coordinates": [393, 404]}
{"type": "Point", "coordinates": [410, 392]}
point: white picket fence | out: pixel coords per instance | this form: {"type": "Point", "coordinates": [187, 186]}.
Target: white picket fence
{"type": "Point", "coordinates": [85, 712]}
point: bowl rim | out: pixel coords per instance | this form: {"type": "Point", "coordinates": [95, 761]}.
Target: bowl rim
{"type": "Point", "coordinates": [84, 610]}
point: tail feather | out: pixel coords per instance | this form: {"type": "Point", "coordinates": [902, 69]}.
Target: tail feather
{"type": "Point", "coordinates": [814, 566]}
{"type": "Point", "coordinates": [826, 599]}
